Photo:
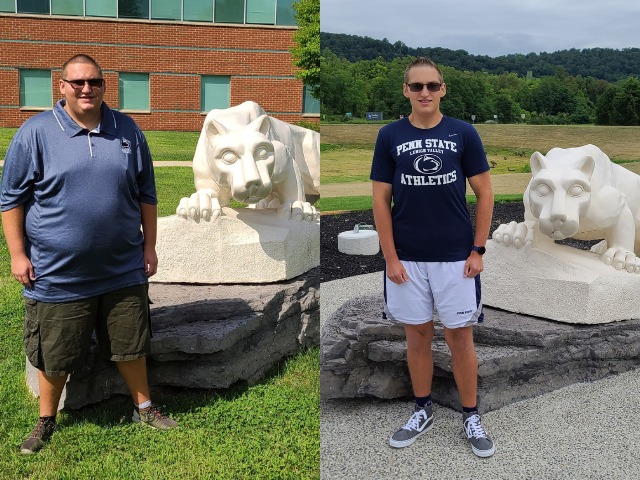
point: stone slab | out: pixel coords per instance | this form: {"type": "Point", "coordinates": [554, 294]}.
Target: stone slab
{"type": "Point", "coordinates": [244, 245]}
{"type": "Point", "coordinates": [519, 356]}
{"type": "Point", "coordinates": [559, 283]}
{"type": "Point", "coordinates": [207, 336]}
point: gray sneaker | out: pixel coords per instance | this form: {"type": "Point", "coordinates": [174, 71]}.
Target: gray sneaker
{"type": "Point", "coordinates": [481, 443]}
{"type": "Point", "coordinates": [419, 423]}
{"type": "Point", "coordinates": [153, 418]}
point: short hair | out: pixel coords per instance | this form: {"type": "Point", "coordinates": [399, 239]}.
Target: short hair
{"type": "Point", "coordinates": [80, 58]}
{"type": "Point", "coordinates": [422, 62]}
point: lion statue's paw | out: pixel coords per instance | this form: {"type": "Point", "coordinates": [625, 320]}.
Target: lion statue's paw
{"type": "Point", "coordinates": [600, 247]}
{"type": "Point", "coordinates": [515, 234]}
{"type": "Point", "coordinates": [199, 205]}
{"type": "Point", "coordinates": [299, 211]}
{"type": "Point", "coordinates": [621, 259]}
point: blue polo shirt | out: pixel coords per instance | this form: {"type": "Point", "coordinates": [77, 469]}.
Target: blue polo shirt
{"type": "Point", "coordinates": [427, 169]}
{"type": "Point", "coordinates": [82, 192]}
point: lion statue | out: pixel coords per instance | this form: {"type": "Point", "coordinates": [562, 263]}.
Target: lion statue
{"type": "Point", "coordinates": [580, 193]}
{"type": "Point", "coordinates": [246, 155]}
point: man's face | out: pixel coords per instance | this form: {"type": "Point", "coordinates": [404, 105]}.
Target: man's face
{"type": "Point", "coordinates": [85, 100]}
{"type": "Point", "coordinates": [424, 103]}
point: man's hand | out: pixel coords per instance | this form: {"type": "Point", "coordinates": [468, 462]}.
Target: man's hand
{"type": "Point", "coordinates": [150, 261]}
{"type": "Point", "coordinates": [22, 270]}
{"type": "Point", "coordinates": [396, 272]}
{"type": "Point", "coordinates": [474, 265]}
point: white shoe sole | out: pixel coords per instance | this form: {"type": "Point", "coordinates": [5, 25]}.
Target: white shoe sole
{"type": "Point", "coordinates": [484, 453]}
{"type": "Point", "coordinates": [406, 443]}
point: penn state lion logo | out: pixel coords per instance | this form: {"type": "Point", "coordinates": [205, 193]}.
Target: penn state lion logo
{"type": "Point", "coordinates": [428, 164]}
{"type": "Point", "coordinates": [580, 193]}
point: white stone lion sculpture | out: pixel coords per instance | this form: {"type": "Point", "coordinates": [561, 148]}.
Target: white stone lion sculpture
{"type": "Point", "coordinates": [246, 155]}
{"type": "Point", "coordinates": [580, 193]}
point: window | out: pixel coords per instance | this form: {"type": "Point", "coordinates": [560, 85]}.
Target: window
{"type": "Point", "coordinates": [284, 15]}
{"type": "Point", "coordinates": [33, 6]}
{"type": "Point", "coordinates": [8, 6]}
{"type": "Point", "coordinates": [310, 104]}
{"type": "Point", "coordinates": [215, 92]}
{"type": "Point", "coordinates": [198, 11]}
{"type": "Point", "coordinates": [101, 8]}
{"type": "Point", "coordinates": [35, 88]}
{"type": "Point", "coordinates": [133, 8]}
{"type": "Point", "coordinates": [134, 91]}
{"type": "Point", "coordinates": [67, 7]}
{"type": "Point", "coordinates": [261, 11]}
{"type": "Point", "coordinates": [229, 11]}
{"type": "Point", "coordinates": [166, 9]}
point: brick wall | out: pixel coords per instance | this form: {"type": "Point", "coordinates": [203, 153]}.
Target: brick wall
{"type": "Point", "coordinates": [174, 54]}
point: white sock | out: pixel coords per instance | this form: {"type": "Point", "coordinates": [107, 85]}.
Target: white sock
{"type": "Point", "coordinates": [144, 405]}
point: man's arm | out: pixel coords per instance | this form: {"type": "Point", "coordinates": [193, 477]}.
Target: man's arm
{"type": "Point", "coordinates": [481, 186]}
{"type": "Point", "coordinates": [13, 226]}
{"type": "Point", "coordinates": [382, 214]}
{"type": "Point", "coordinates": [149, 216]}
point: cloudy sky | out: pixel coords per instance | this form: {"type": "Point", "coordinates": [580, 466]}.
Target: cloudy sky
{"type": "Point", "coordinates": [489, 27]}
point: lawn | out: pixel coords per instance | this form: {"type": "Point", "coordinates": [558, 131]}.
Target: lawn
{"type": "Point", "coordinates": [268, 430]}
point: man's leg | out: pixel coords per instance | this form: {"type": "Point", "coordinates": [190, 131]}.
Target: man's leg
{"type": "Point", "coordinates": [419, 357]}
{"type": "Point", "coordinates": [134, 373]}
{"type": "Point", "coordinates": [464, 363]}
{"type": "Point", "coordinates": [50, 391]}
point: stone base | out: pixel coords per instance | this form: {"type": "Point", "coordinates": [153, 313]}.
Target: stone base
{"type": "Point", "coordinates": [560, 283]}
{"type": "Point", "coordinates": [519, 356]}
{"type": "Point", "coordinates": [244, 245]}
{"type": "Point", "coordinates": [209, 337]}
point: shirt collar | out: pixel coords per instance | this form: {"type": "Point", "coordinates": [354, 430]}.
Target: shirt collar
{"type": "Point", "coordinates": [71, 128]}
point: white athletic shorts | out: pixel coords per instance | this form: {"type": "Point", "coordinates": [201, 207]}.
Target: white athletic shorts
{"type": "Point", "coordinates": [439, 284]}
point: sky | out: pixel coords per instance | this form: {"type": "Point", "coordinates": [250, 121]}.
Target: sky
{"type": "Point", "coordinates": [489, 27]}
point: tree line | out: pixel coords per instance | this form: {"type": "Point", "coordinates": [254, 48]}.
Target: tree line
{"type": "Point", "coordinates": [601, 63]}
{"type": "Point", "coordinates": [376, 86]}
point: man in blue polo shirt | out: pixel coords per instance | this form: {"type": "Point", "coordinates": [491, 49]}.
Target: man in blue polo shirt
{"type": "Point", "coordinates": [77, 185]}
{"type": "Point", "coordinates": [433, 258]}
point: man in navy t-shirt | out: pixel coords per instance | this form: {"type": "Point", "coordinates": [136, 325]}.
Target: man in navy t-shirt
{"type": "Point", "coordinates": [433, 257]}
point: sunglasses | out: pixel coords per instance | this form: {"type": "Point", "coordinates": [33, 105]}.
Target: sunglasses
{"type": "Point", "coordinates": [417, 87]}
{"type": "Point", "coordinates": [79, 84]}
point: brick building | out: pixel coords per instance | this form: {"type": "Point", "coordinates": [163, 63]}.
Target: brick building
{"type": "Point", "coordinates": [165, 62]}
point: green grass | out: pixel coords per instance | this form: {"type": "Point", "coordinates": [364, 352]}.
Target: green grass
{"type": "Point", "coordinates": [6, 134]}
{"type": "Point", "coordinates": [365, 202]}
{"type": "Point", "coordinates": [268, 430]}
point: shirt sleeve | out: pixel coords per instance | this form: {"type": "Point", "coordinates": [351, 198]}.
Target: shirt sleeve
{"type": "Point", "coordinates": [146, 178]}
{"type": "Point", "coordinates": [19, 172]}
{"type": "Point", "coordinates": [474, 160]}
{"type": "Point", "coordinates": [383, 166]}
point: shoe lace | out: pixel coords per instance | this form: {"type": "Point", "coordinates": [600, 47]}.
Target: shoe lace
{"type": "Point", "coordinates": [41, 423]}
{"type": "Point", "coordinates": [473, 428]}
{"type": "Point", "coordinates": [414, 421]}
{"type": "Point", "coordinates": [153, 409]}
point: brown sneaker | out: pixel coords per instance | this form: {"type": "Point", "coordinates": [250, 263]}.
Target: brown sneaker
{"type": "Point", "coordinates": [153, 418]}
{"type": "Point", "coordinates": [41, 434]}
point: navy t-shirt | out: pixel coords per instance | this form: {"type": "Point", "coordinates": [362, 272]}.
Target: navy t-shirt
{"type": "Point", "coordinates": [428, 169]}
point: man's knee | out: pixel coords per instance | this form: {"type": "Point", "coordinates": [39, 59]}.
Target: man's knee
{"type": "Point", "coordinates": [419, 336]}
{"type": "Point", "coordinates": [459, 339]}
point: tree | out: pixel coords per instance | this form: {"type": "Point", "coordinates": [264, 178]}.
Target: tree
{"type": "Point", "coordinates": [306, 52]}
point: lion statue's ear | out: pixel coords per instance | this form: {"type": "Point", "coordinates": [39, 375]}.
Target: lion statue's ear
{"type": "Point", "coordinates": [537, 162]}
{"type": "Point", "coordinates": [261, 124]}
{"type": "Point", "coordinates": [586, 165]}
{"type": "Point", "coordinates": [214, 129]}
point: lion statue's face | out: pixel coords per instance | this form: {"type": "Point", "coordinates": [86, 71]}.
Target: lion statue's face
{"type": "Point", "coordinates": [560, 194]}
{"type": "Point", "coordinates": [245, 160]}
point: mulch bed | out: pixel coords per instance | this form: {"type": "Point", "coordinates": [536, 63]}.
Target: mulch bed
{"type": "Point", "coordinates": [335, 265]}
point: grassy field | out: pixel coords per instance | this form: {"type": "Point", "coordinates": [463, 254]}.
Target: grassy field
{"type": "Point", "coordinates": [269, 430]}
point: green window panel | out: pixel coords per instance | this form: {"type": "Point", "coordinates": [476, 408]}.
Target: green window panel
{"type": "Point", "coordinates": [8, 6]}
{"type": "Point", "coordinates": [134, 91]}
{"type": "Point", "coordinates": [229, 11]}
{"type": "Point", "coordinates": [214, 92]}
{"type": "Point", "coordinates": [198, 11]}
{"type": "Point", "coordinates": [101, 8]}
{"type": "Point", "coordinates": [33, 6]}
{"type": "Point", "coordinates": [35, 88]}
{"type": "Point", "coordinates": [133, 8]}
{"type": "Point", "coordinates": [284, 15]}
{"type": "Point", "coordinates": [67, 7]}
{"type": "Point", "coordinates": [310, 104]}
{"type": "Point", "coordinates": [261, 11]}
{"type": "Point", "coordinates": [166, 9]}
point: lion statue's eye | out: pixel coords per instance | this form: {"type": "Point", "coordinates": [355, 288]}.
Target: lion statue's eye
{"type": "Point", "coordinates": [543, 190]}
{"type": "Point", "coordinates": [229, 157]}
{"type": "Point", "coordinates": [575, 190]}
{"type": "Point", "coordinates": [262, 153]}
